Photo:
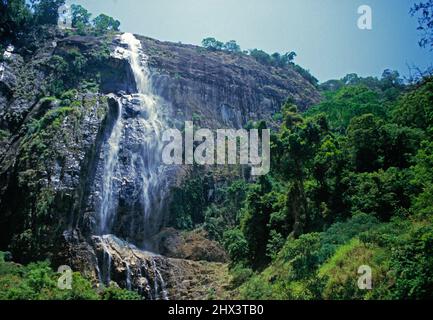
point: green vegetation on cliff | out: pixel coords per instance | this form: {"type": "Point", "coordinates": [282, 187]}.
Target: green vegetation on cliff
{"type": "Point", "coordinates": [276, 59]}
{"type": "Point", "coordinates": [42, 151]}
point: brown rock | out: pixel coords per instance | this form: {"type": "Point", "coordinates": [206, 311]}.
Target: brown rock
{"type": "Point", "coordinates": [193, 245]}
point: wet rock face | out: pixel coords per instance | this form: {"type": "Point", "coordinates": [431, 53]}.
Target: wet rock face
{"type": "Point", "coordinates": [45, 172]}
{"type": "Point", "coordinates": [130, 267]}
{"type": "Point", "coordinates": [8, 80]}
{"type": "Point", "coordinates": [189, 83]}
{"type": "Point", "coordinates": [117, 77]}
{"type": "Point", "coordinates": [130, 207]}
{"type": "Point", "coordinates": [222, 88]}
{"type": "Point", "coordinates": [157, 277]}
{"type": "Point", "coordinates": [20, 89]}
{"type": "Point", "coordinates": [131, 188]}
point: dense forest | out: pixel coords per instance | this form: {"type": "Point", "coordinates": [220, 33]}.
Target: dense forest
{"type": "Point", "coordinates": [351, 184]}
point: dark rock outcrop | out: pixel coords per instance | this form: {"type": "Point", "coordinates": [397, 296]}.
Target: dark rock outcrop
{"type": "Point", "coordinates": [44, 174]}
{"type": "Point", "coordinates": [194, 245]}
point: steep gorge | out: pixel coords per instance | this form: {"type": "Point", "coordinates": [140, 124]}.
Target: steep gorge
{"type": "Point", "coordinates": [83, 185]}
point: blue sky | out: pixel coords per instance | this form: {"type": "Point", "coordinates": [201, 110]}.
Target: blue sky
{"type": "Point", "coordinates": [324, 33]}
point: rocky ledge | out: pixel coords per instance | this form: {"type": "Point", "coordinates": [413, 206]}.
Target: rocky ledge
{"type": "Point", "coordinates": [112, 261]}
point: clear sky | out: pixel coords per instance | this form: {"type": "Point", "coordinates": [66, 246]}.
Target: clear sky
{"type": "Point", "coordinates": [324, 33]}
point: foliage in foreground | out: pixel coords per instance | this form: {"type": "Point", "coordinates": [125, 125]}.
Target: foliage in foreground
{"type": "Point", "coordinates": [37, 281]}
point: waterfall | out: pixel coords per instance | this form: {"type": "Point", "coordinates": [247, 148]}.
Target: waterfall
{"type": "Point", "coordinates": [141, 170]}
{"type": "Point", "coordinates": [105, 275]}
{"type": "Point", "coordinates": [98, 274]}
{"type": "Point", "coordinates": [128, 276]}
{"type": "Point", "coordinates": [146, 163]}
{"type": "Point", "coordinates": [159, 284]}
{"type": "Point", "coordinates": [2, 69]}
{"type": "Point", "coordinates": [136, 269]}
{"type": "Point", "coordinates": [111, 165]}
{"type": "Point", "coordinates": [133, 178]}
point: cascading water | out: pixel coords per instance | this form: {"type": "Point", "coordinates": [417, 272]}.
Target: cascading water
{"type": "Point", "coordinates": [141, 170]}
{"type": "Point", "coordinates": [128, 276]}
{"type": "Point", "coordinates": [159, 284]}
{"type": "Point", "coordinates": [130, 267]}
{"type": "Point", "coordinates": [133, 178]}
{"type": "Point", "coordinates": [105, 275]}
{"type": "Point", "coordinates": [107, 210]}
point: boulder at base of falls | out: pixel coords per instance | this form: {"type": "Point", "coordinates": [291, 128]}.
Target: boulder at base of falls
{"type": "Point", "coordinates": [156, 277]}
{"type": "Point", "coordinates": [193, 245]}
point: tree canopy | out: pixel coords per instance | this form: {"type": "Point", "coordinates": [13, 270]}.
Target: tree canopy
{"type": "Point", "coordinates": [20, 17]}
{"type": "Point", "coordinates": [106, 23]}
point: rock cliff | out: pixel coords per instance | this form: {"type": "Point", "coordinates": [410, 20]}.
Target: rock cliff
{"type": "Point", "coordinates": [222, 88]}
{"type": "Point", "coordinates": [52, 151]}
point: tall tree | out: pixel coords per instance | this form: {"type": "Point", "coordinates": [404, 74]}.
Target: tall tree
{"type": "Point", "coordinates": [364, 136]}
{"type": "Point", "coordinates": [254, 222]}
{"type": "Point", "coordinates": [293, 154]}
